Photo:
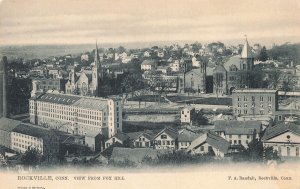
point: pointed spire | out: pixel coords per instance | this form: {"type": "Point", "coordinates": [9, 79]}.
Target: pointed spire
{"type": "Point", "coordinates": [96, 59]}
{"type": "Point", "coordinates": [246, 52]}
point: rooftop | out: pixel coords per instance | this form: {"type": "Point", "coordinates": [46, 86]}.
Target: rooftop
{"type": "Point", "coordinates": [280, 128]}
{"type": "Point", "coordinates": [254, 91]}
{"type": "Point", "coordinates": [212, 139]}
{"type": "Point", "coordinates": [8, 124]}
{"type": "Point", "coordinates": [73, 100]}
{"type": "Point", "coordinates": [237, 127]}
{"type": "Point", "coordinates": [32, 130]}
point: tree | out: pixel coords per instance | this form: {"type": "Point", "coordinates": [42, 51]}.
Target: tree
{"type": "Point", "coordinates": [263, 56]}
{"type": "Point", "coordinates": [159, 85]}
{"type": "Point", "coordinates": [31, 157]}
{"type": "Point", "coordinates": [274, 78]}
{"type": "Point", "coordinates": [271, 154]}
{"type": "Point", "coordinates": [199, 118]}
{"type": "Point", "coordinates": [131, 83]}
{"type": "Point", "coordinates": [255, 150]}
{"type": "Point", "coordinates": [120, 49]}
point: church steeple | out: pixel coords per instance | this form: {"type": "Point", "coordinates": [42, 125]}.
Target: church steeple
{"type": "Point", "coordinates": [246, 52]}
{"type": "Point", "coordinates": [97, 58]}
{"type": "Point", "coordinates": [95, 72]}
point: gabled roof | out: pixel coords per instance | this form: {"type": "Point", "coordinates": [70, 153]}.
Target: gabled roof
{"type": "Point", "coordinates": [212, 139]}
{"type": "Point", "coordinates": [121, 136]}
{"type": "Point", "coordinates": [148, 62]}
{"type": "Point", "coordinates": [149, 134]}
{"type": "Point", "coordinates": [8, 124]}
{"type": "Point", "coordinates": [237, 127]}
{"type": "Point", "coordinates": [273, 131]}
{"type": "Point", "coordinates": [197, 71]}
{"type": "Point", "coordinates": [188, 108]}
{"type": "Point", "coordinates": [187, 136]}
{"type": "Point", "coordinates": [32, 130]}
{"type": "Point", "coordinates": [219, 68]}
{"type": "Point", "coordinates": [58, 98]}
{"type": "Point", "coordinates": [169, 131]}
{"type": "Point", "coordinates": [246, 52]}
{"type": "Point", "coordinates": [234, 60]}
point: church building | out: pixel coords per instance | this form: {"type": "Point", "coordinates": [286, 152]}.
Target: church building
{"type": "Point", "coordinates": [86, 83]}
{"type": "Point", "coordinates": [234, 73]}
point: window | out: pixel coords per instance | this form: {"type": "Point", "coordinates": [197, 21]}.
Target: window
{"type": "Point", "coordinates": [234, 141]}
{"type": "Point", "coordinates": [245, 98]}
{"type": "Point", "coordinates": [240, 142]}
{"type": "Point", "coordinates": [245, 112]}
{"type": "Point", "coordinates": [202, 148]}
{"type": "Point", "coordinates": [279, 150]}
{"type": "Point", "coordinates": [253, 98]}
{"type": "Point", "coordinates": [182, 112]}
{"type": "Point", "coordinates": [248, 136]}
{"type": "Point", "coordinates": [168, 142]}
{"type": "Point", "coordinates": [288, 151]}
{"type": "Point", "coordinates": [297, 151]}
{"type": "Point", "coordinates": [163, 136]}
{"type": "Point", "coordinates": [261, 98]}
{"type": "Point", "coordinates": [230, 141]}
{"type": "Point", "coordinates": [245, 105]}
{"type": "Point", "coordinates": [230, 136]}
{"type": "Point", "coordinates": [240, 136]}
{"type": "Point", "coordinates": [163, 142]}
{"type": "Point", "coordinates": [239, 98]}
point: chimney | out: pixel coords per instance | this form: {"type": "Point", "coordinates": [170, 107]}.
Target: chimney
{"type": "Point", "coordinates": [34, 88]}
{"type": "Point", "coordinates": [4, 59]}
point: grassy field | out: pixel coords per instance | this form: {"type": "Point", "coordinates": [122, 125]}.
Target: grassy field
{"type": "Point", "coordinates": [148, 98]}
{"type": "Point", "coordinates": [200, 100]}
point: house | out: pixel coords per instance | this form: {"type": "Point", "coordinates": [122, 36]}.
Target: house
{"type": "Point", "coordinates": [142, 139]}
{"type": "Point", "coordinates": [6, 126]}
{"type": "Point", "coordinates": [187, 113]}
{"type": "Point", "coordinates": [284, 138]}
{"type": "Point", "coordinates": [238, 133]}
{"type": "Point", "coordinates": [185, 138]}
{"type": "Point", "coordinates": [166, 139]}
{"type": "Point", "coordinates": [163, 69]}
{"type": "Point", "coordinates": [148, 65]}
{"type": "Point", "coordinates": [175, 66]}
{"type": "Point", "coordinates": [209, 143]}
{"type": "Point", "coordinates": [147, 53]}
{"type": "Point", "coordinates": [160, 53]}
{"type": "Point", "coordinates": [135, 155]}
{"type": "Point", "coordinates": [120, 137]}
{"type": "Point", "coordinates": [95, 141]}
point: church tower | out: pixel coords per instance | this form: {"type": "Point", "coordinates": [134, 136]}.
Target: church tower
{"type": "Point", "coordinates": [95, 73]}
{"type": "Point", "coordinates": [247, 57]}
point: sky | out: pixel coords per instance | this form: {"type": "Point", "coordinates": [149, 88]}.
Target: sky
{"type": "Point", "coordinates": [125, 21]}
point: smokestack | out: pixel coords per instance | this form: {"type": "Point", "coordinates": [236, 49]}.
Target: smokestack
{"type": "Point", "coordinates": [4, 86]}
{"type": "Point", "coordinates": [1, 87]}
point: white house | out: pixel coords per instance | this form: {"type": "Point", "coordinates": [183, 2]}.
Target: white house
{"type": "Point", "coordinates": [238, 132]}
{"type": "Point", "coordinates": [209, 143]}
{"type": "Point", "coordinates": [119, 137]}
{"type": "Point", "coordinates": [284, 138]}
{"type": "Point", "coordinates": [186, 114]}
{"type": "Point", "coordinates": [148, 65]}
{"type": "Point", "coordinates": [166, 139]}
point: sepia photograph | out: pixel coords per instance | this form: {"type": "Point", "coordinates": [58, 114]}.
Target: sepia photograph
{"type": "Point", "coordinates": [149, 94]}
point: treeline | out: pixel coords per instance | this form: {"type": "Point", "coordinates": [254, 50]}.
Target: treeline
{"type": "Point", "coordinates": [286, 53]}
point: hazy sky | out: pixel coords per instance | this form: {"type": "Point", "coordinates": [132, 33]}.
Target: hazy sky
{"type": "Point", "coordinates": [119, 21]}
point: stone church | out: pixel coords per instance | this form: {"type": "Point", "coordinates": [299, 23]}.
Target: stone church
{"type": "Point", "coordinates": [85, 83]}
{"type": "Point", "coordinates": [233, 73]}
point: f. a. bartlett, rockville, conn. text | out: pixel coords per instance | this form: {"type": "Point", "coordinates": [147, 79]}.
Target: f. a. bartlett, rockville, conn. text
{"type": "Point", "coordinates": [131, 94]}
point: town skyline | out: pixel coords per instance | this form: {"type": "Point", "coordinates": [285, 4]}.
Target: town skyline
{"type": "Point", "coordinates": [74, 22]}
